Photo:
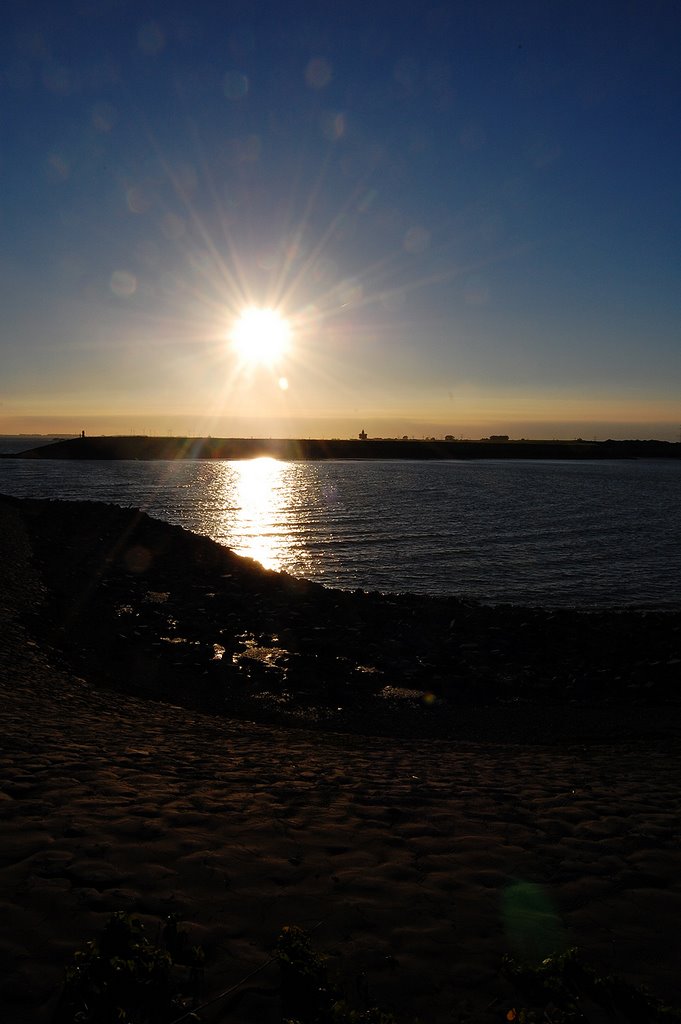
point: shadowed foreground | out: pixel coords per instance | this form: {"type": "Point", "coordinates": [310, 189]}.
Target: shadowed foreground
{"type": "Point", "coordinates": [423, 859]}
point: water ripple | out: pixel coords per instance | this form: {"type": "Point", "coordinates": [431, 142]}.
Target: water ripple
{"type": "Point", "coordinates": [597, 533]}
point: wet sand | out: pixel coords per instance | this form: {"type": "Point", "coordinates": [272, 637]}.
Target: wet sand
{"type": "Point", "coordinates": [420, 858]}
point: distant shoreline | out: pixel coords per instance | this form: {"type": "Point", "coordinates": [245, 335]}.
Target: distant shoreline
{"type": "Point", "coordinates": [308, 449]}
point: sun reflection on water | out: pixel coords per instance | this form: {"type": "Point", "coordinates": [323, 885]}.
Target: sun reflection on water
{"type": "Point", "coordinates": [261, 492]}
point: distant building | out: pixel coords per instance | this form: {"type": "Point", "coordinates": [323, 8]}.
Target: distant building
{"type": "Point", "coordinates": [362, 435]}
{"type": "Point", "coordinates": [498, 437]}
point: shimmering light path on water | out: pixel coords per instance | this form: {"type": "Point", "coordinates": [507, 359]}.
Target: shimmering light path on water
{"type": "Point", "coordinates": [552, 533]}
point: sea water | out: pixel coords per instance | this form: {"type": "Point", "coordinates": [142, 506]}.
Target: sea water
{"type": "Point", "coordinates": [525, 532]}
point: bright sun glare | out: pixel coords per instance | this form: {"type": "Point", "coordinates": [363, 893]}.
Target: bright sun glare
{"type": "Point", "coordinates": [261, 336]}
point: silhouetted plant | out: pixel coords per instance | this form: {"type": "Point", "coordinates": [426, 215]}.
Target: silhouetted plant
{"type": "Point", "coordinates": [123, 978]}
{"type": "Point", "coordinates": [565, 990]}
{"type": "Point", "coordinates": [307, 994]}
{"type": "Point", "coordinates": [126, 979]}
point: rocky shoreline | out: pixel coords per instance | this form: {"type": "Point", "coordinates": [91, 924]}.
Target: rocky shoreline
{"type": "Point", "coordinates": [135, 604]}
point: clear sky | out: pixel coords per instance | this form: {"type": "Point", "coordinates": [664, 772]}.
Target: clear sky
{"type": "Point", "coordinates": [469, 213]}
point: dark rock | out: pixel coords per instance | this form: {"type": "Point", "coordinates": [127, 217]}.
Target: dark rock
{"type": "Point", "coordinates": [127, 606]}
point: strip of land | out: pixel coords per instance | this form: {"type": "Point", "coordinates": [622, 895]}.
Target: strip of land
{"type": "Point", "coordinates": [183, 731]}
{"type": "Point", "coordinates": [153, 448]}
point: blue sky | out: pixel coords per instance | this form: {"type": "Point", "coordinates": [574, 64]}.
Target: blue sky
{"type": "Point", "coordinates": [468, 213]}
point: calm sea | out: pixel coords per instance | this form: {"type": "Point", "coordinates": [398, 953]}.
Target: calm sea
{"type": "Point", "coordinates": [550, 533]}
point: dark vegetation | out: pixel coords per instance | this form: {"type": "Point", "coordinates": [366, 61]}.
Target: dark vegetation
{"type": "Point", "coordinates": [124, 978]}
{"type": "Point", "coordinates": [564, 989]}
{"type": "Point", "coordinates": [135, 603]}
{"type": "Point", "coordinates": [308, 992]}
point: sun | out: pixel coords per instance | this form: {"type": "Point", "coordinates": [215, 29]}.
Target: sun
{"type": "Point", "coordinates": [261, 336]}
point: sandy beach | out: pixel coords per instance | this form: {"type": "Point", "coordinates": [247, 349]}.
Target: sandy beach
{"type": "Point", "coordinates": [419, 857]}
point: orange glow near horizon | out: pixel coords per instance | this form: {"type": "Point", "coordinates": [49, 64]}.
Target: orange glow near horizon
{"type": "Point", "coordinates": [467, 413]}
